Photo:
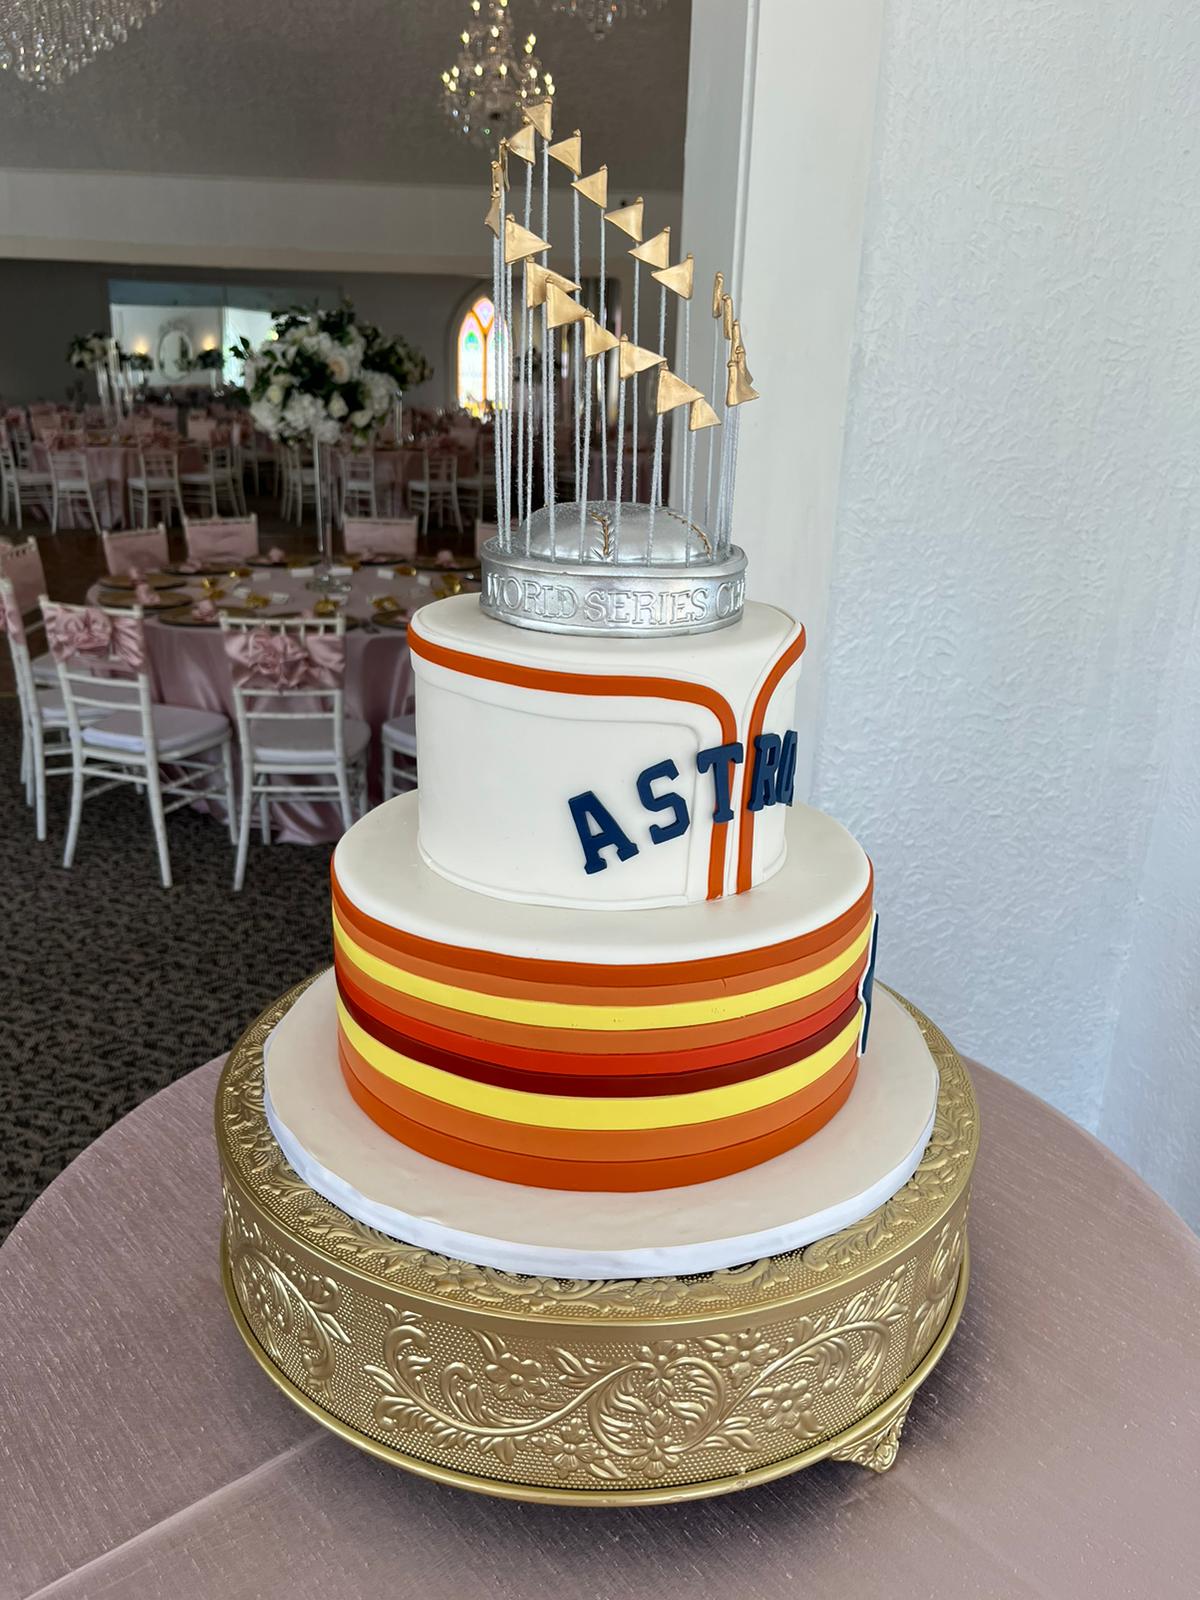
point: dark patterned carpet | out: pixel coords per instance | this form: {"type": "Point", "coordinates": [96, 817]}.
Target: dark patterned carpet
{"type": "Point", "coordinates": [110, 986]}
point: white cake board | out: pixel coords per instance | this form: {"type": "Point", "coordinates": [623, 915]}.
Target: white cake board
{"type": "Point", "coordinates": [856, 1162]}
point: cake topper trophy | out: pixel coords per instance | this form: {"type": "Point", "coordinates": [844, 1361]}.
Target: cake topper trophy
{"type": "Point", "coordinates": [613, 564]}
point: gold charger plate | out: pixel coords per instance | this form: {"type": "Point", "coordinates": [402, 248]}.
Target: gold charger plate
{"type": "Point", "coordinates": [156, 580]}
{"type": "Point", "coordinates": [459, 564]}
{"type": "Point", "coordinates": [123, 600]}
{"type": "Point", "coordinates": [208, 569]}
{"type": "Point", "coordinates": [594, 1392]}
{"type": "Point", "coordinates": [183, 618]}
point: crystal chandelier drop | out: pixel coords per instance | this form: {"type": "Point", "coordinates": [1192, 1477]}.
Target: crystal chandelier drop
{"type": "Point", "coordinates": [44, 41]}
{"type": "Point", "coordinates": [601, 14]}
{"type": "Point", "coordinates": [485, 88]}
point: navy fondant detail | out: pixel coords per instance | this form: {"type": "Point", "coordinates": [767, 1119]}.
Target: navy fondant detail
{"type": "Point", "coordinates": [721, 759]}
{"type": "Point", "coordinates": [764, 783]}
{"type": "Point", "coordinates": [660, 832]}
{"type": "Point", "coordinates": [586, 809]}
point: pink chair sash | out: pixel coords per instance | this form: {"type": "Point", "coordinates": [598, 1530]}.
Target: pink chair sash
{"type": "Point", "coordinates": [380, 535]}
{"type": "Point", "coordinates": [226, 539]}
{"type": "Point", "coordinates": [261, 658]}
{"type": "Point", "coordinates": [135, 553]}
{"type": "Point", "coordinates": [11, 620]}
{"type": "Point", "coordinates": [87, 631]}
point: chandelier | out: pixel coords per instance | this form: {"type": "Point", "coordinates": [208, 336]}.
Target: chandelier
{"type": "Point", "coordinates": [484, 90]}
{"type": "Point", "coordinates": [44, 41]}
{"type": "Point", "coordinates": [601, 14]}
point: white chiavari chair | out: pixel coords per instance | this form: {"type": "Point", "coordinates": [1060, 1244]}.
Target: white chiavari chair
{"type": "Point", "coordinates": [156, 481]}
{"type": "Point", "coordinates": [295, 739]}
{"type": "Point", "coordinates": [71, 487]}
{"type": "Point", "coordinates": [359, 497]}
{"type": "Point", "coordinates": [436, 490]}
{"type": "Point", "coordinates": [20, 486]}
{"type": "Point", "coordinates": [118, 737]}
{"type": "Point", "coordinates": [398, 735]}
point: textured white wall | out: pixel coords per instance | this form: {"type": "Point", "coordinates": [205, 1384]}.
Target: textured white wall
{"type": "Point", "coordinates": [1151, 1107]}
{"type": "Point", "coordinates": [1013, 579]}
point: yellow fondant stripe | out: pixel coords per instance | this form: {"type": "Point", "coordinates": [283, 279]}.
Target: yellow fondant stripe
{"type": "Point", "coordinates": [615, 1019]}
{"type": "Point", "coordinates": [578, 1111]}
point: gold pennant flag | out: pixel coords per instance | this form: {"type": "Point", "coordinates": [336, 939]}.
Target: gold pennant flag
{"type": "Point", "coordinates": [679, 278]}
{"type": "Point", "coordinates": [568, 152]}
{"type": "Point", "coordinates": [628, 219]}
{"type": "Point", "coordinates": [536, 279]}
{"type": "Point", "coordinates": [594, 187]}
{"type": "Point", "coordinates": [738, 388]}
{"type": "Point", "coordinates": [492, 220]}
{"type": "Point", "coordinates": [597, 340]}
{"type": "Point", "coordinates": [519, 243]}
{"type": "Point", "coordinates": [672, 392]}
{"type": "Point", "coordinates": [702, 415]}
{"type": "Point", "coordinates": [718, 299]}
{"type": "Point", "coordinates": [540, 116]}
{"type": "Point", "coordinates": [654, 252]}
{"type": "Point", "coordinates": [522, 143]}
{"type": "Point", "coordinates": [634, 359]}
{"type": "Point", "coordinates": [739, 353]}
{"type": "Point", "coordinates": [561, 309]}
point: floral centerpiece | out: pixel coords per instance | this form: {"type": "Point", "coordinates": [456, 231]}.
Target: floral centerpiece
{"type": "Point", "coordinates": [207, 360]}
{"type": "Point", "coordinates": [139, 361]}
{"type": "Point", "coordinates": [325, 374]}
{"type": "Point", "coordinates": [88, 351]}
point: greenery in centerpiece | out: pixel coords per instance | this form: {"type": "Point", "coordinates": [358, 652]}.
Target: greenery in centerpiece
{"type": "Point", "coordinates": [325, 373]}
{"type": "Point", "coordinates": [207, 361]}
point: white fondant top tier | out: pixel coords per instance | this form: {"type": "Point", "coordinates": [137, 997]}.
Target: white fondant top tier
{"type": "Point", "coordinates": [577, 772]}
{"type": "Point", "coordinates": [381, 872]}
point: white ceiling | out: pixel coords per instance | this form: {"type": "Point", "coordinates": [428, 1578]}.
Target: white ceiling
{"type": "Point", "coordinates": [342, 89]}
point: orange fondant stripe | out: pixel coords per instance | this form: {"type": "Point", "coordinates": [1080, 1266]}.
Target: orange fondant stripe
{"type": "Point", "coordinates": [603, 684]}
{"type": "Point", "coordinates": [745, 858]}
{"type": "Point", "coordinates": [727, 1030]}
{"type": "Point", "coordinates": [604, 1176]}
{"type": "Point", "coordinates": [533, 988]}
{"type": "Point", "coordinates": [576, 1144]}
{"type": "Point", "coordinates": [597, 974]}
{"type": "Point", "coordinates": [559, 1048]}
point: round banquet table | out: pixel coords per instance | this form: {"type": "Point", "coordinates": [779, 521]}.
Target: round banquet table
{"type": "Point", "coordinates": [143, 1453]}
{"type": "Point", "coordinates": [189, 668]}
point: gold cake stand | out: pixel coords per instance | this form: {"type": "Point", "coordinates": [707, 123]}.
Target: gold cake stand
{"type": "Point", "coordinates": [595, 1392]}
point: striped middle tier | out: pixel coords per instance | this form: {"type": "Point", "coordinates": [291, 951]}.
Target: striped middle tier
{"type": "Point", "coordinates": [605, 1077]}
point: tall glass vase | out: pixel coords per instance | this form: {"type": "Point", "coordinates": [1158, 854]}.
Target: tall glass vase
{"type": "Point", "coordinates": [323, 502]}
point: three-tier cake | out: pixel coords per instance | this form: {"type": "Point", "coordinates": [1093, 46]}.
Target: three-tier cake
{"type": "Point", "coordinates": [602, 991]}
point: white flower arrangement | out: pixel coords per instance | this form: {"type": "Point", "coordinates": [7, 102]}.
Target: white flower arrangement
{"type": "Point", "coordinates": [88, 351]}
{"type": "Point", "coordinates": [324, 373]}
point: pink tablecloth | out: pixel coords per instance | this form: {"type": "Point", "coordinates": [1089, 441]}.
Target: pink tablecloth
{"type": "Point", "coordinates": [146, 1455]}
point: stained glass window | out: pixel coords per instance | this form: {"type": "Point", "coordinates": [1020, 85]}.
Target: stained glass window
{"type": "Point", "coordinates": [476, 385]}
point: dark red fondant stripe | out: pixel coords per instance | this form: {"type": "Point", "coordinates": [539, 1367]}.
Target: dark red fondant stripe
{"type": "Point", "coordinates": [619, 1080]}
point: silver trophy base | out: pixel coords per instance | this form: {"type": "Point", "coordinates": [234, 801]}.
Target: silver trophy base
{"type": "Point", "coordinates": [654, 577]}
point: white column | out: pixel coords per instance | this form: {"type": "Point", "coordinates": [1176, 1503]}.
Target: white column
{"type": "Point", "coordinates": [781, 107]}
